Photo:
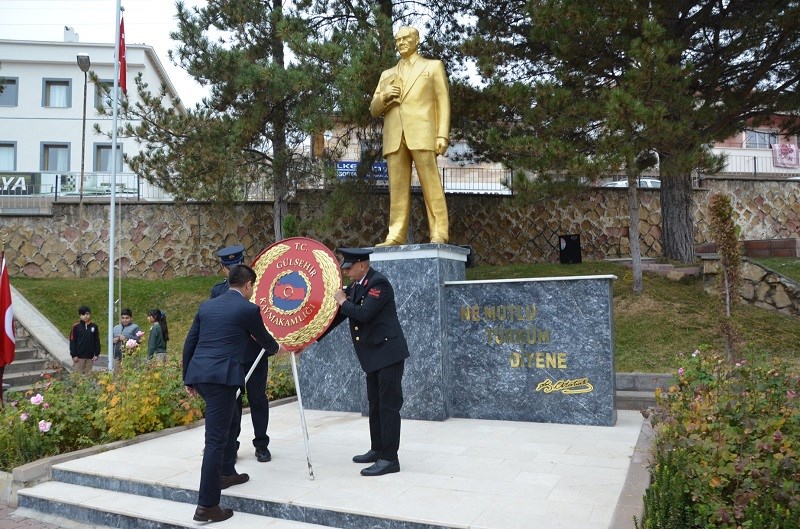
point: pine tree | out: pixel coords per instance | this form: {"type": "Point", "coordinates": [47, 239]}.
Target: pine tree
{"type": "Point", "coordinates": [549, 68]}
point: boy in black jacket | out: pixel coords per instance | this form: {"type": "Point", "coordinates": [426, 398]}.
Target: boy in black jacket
{"type": "Point", "coordinates": [84, 342]}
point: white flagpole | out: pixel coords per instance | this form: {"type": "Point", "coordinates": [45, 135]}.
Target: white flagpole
{"type": "Point", "coordinates": [112, 209]}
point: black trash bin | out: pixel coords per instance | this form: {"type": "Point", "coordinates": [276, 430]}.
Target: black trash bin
{"type": "Point", "coordinates": [569, 249]}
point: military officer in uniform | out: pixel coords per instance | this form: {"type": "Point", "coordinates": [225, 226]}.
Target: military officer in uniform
{"type": "Point", "coordinates": [256, 386]}
{"type": "Point", "coordinates": [368, 302]}
{"type": "Point", "coordinates": [228, 257]}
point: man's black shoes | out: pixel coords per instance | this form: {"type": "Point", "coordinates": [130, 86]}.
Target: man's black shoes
{"type": "Point", "coordinates": [233, 479]}
{"type": "Point", "coordinates": [382, 467]}
{"type": "Point", "coordinates": [369, 457]}
{"type": "Point", "coordinates": [212, 514]}
{"type": "Point", "coordinates": [263, 455]}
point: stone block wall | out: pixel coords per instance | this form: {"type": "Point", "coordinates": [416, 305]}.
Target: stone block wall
{"type": "Point", "coordinates": [760, 286]}
{"type": "Point", "coordinates": [166, 239]}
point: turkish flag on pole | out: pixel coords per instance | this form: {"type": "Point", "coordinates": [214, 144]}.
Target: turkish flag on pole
{"type": "Point", "coordinates": [123, 64]}
{"type": "Point", "coordinates": [7, 337]}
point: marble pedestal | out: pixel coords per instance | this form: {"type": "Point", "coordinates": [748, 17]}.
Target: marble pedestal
{"type": "Point", "coordinates": [330, 376]}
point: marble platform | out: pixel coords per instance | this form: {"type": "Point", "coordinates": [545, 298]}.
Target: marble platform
{"type": "Point", "coordinates": [417, 273]}
{"type": "Point", "coordinates": [456, 474]}
{"type": "Point", "coordinates": [524, 349]}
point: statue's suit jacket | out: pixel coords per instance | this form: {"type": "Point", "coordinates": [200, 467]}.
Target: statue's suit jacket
{"type": "Point", "coordinates": [423, 113]}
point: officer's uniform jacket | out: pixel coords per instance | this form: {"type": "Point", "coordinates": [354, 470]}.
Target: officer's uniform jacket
{"type": "Point", "coordinates": [374, 327]}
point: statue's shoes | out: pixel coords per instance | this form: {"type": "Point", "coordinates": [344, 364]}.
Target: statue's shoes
{"type": "Point", "coordinates": [389, 242]}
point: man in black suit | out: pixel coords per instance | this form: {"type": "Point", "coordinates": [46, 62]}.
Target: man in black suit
{"type": "Point", "coordinates": [368, 302]}
{"type": "Point", "coordinates": [213, 367]}
{"type": "Point", "coordinates": [256, 385]}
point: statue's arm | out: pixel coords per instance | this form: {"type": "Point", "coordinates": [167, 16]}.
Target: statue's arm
{"type": "Point", "coordinates": [387, 94]}
{"type": "Point", "coordinates": [442, 102]}
{"type": "Point", "coordinates": [377, 107]}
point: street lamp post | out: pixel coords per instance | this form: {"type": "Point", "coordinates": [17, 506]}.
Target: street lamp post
{"type": "Point", "coordinates": [83, 63]}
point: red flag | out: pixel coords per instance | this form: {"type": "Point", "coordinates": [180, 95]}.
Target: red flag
{"type": "Point", "coordinates": [123, 64]}
{"type": "Point", "coordinates": [7, 337]}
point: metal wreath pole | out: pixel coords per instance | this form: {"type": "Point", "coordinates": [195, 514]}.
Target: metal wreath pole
{"type": "Point", "coordinates": [250, 373]}
{"type": "Point", "coordinates": [302, 415]}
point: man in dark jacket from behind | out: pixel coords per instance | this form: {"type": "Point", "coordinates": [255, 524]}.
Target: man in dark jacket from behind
{"type": "Point", "coordinates": [213, 367]}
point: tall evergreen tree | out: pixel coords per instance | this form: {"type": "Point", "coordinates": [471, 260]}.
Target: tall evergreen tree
{"type": "Point", "coordinates": [278, 73]}
{"type": "Point", "coordinates": [721, 65]}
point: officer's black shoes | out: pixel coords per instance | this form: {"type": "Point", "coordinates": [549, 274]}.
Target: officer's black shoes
{"type": "Point", "coordinates": [382, 467]}
{"type": "Point", "coordinates": [233, 479]}
{"type": "Point", "coordinates": [263, 455]}
{"type": "Point", "coordinates": [212, 514]}
{"type": "Point", "coordinates": [369, 457]}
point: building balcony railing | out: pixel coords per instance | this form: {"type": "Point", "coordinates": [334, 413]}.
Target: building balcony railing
{"type": "Point", "coordinates": [33, 193]}
{"type": "Point", "coordinates": [755, 165]}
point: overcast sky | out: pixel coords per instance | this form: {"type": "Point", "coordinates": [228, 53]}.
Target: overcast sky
{"type": "Point", "coordinates": [146, 22]}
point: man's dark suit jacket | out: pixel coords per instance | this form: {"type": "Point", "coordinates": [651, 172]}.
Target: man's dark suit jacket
{"type": "Point", "coordinates": [214, 348]}
{"type": "Point", "coordinates": [377, 336]}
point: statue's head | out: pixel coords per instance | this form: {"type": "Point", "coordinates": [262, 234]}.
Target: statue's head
{"type": "Point", "coordinates": [406, 41]}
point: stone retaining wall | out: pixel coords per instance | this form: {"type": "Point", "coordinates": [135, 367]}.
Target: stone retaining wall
{"type": "Point", "coordinates": [760, 286]}
{"type": "Point", "coordinates": [166, 239]}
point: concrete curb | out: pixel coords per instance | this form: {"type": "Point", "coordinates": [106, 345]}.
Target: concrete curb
{"type": "Point", "coordinates": [40, 470]}
{"type": "Point", "coordinates": [630, 501]}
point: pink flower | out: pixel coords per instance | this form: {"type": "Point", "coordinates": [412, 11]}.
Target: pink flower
{"type": "Point", "coordinates": [23, 417]}
{"type": "Point", "coordinates": [37, 399]}
{"type": "Point", "coordinates": [45, 405]}
{"type": "Point", "coordinates": [790, 394]}
{"type": "Point", "coordinates": [140, 334]}
{"type": "Point", "coordinates": [44, 426]}
{"type": "Point", "coordinates": [681, 371]}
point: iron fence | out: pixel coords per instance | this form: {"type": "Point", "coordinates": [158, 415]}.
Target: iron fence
{"type": "Point", "coordinates": [756, 165]}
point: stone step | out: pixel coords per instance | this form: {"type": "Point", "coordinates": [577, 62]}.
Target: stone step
{"type": "Point", "coordinates": [25, 379]}
{"type": "Point", "coordinates": [20, 365]}
{"type": "Point", "coordinates": [23, 353]}
{"type": "Point", "coordinates": [122, 510]}
{"type": "Point", "coordinates": [635, 400]}
{"type": "Point", "coordinates": [269, 508]}
{"type": "Point", "coordinates": [634, 381]}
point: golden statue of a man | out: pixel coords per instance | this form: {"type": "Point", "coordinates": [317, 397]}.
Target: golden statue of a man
{"type": "Point", "coordinates": [414, 101]}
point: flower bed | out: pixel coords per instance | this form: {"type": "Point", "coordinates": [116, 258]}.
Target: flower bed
{"type": "Point", "coordinates": [726, 448]}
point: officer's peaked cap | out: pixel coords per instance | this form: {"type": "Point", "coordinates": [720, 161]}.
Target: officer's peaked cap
{"type": "Point", "coordinates": [354, 255]}
{"type": "Point", "coordinates": [231, 255]}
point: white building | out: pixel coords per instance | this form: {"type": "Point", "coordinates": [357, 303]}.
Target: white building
{"type": "Point", "coordinates": [41, 118]}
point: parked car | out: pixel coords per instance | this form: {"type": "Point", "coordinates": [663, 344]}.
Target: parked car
{"type": "Point", "coordinates": [645, 182]}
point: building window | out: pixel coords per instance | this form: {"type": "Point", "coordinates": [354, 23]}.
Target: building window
{"type": "Point", "coordinates": [102, 158]}
{"type": "Point", "coordinates": [57, 93]}
{"type": "Point", "coordinates": [760, 139]}
{"type": "Point", "coordinates": [55, 157]}
{"type": "Point", "coordinates": [8, 97]}
{"type": "Point", "coordinates": [8, 156]}
{"type": "Point", "coordinates": [102, 94]}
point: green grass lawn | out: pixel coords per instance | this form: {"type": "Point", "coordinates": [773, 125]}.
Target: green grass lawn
{"type": "Point", "coordinates": [787, 266]}
{"type": "Point", "coordinates": [651, 330]}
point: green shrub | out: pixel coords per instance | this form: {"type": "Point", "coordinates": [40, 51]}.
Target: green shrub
{"type": "Point", "coordinates": [727, 440]}
{"type": "Point", "coordinates": [78, 411]}
{"type": "Point", "coordinates": [145, 397]}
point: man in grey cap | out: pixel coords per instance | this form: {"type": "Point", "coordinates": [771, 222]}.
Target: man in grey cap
{"type": "Point", "coordinates": [368, 302]}
{"type": "Point", "coordinates": [256, 386]}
